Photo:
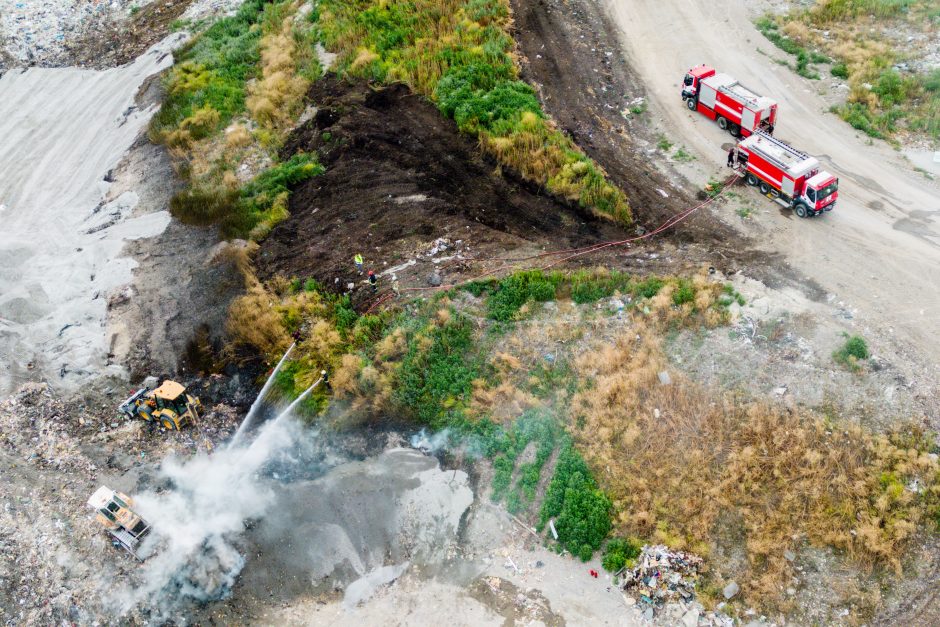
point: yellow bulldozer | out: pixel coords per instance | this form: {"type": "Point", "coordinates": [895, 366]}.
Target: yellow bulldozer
{"type": "Point", "coordinates": [169, 405]}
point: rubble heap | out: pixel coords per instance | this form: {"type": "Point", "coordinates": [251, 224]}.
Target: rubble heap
{"type": "Point", "coordinates": [661, 576]}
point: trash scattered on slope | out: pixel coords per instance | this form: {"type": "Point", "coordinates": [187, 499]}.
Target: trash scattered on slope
{"type": "Point", "coordinates": [662, 575]}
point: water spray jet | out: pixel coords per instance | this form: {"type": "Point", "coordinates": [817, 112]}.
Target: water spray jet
{"type": "Point", "coordinates": [249, 417]}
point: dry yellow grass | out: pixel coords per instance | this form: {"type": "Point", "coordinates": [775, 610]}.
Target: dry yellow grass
{"type": "Point", "coordinates": [237, 137]}
{"type": "Point", "coordinates": [276, 98]}
{"type": "Point", "coordinates": [680, 460]}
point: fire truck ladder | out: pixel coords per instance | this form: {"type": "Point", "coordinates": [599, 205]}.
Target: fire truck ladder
{"type": "Point", "coordinates": [744, 93]}
{"type": "Point", "coordinates": [779, 142]}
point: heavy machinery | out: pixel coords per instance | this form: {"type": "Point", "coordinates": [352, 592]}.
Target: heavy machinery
{"type": "Point", "coordinates": [720, 97]}
{"type": "Point", "coordinates": [789, 176]}
{"type": "Point", "coordinates": [114, 513]}
{"type": "Point", "coordinates": [168, 405]}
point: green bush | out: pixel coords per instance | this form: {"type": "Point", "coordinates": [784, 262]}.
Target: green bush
{"type": "Point", "coordinates": [859, 117]}
{"type": "Point", "coordinates": [890, 88]}
{"type": "Point", "coordinates": [588, 287]}
{"type": "Point", "coordinates": [840, 70]}
{"type": "Point", "coordinates": [516, 290]}
{"type": "Point", "coordinates": [619, 553]}
{"type": "Point", "coordinates": [648, 288]}
{"type": "Point", "coordinates": [434, 382]}
{"type": "Point", "coordinates": [581, 511]}
{"type": "Point", "coordinates": [684, 293]}
{"type": "Point", "coordinates": [932, 81]}
{"type": "Point", "coordinates": [853, 351]}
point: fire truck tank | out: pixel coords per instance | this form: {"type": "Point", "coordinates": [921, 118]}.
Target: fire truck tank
{"type": "Point", "coordinates": [781, 154]}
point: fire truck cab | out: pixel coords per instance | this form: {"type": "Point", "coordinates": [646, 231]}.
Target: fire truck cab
{"type": "Point", "coordinates": [733, 106]}
{"type": "Point", "coordinates": [791, 177]}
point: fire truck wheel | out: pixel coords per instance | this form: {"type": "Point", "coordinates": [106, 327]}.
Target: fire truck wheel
{"type": "Point", "coordinates": [764, 188]}
{"type": "Point", "coordinates": [722, 123]}
{"type": "Point", "coordinates": [801, 210]}
{"type": "Point", "coordinates": [751, 180]}
{"type": "Point", "coordinates": [690, 103]}
{"type": "Point", "coordinates": [735, 130]}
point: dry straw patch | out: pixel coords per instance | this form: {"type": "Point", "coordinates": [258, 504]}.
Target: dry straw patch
{"type": "Point", "coordinates": [276, 98]}
{"type": "Point", "coordinates": [680, 460]}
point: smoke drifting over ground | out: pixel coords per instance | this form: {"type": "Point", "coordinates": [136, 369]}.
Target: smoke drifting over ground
{"type": "Point", "coordinates": [192, 553]}
{"type": "Point", "coordinates": [288, 515]}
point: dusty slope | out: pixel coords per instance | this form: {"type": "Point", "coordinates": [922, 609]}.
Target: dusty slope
{"type": "Point", "coordinates": [880, 249]}
{"type": "Point", "coordinates": [60, 243]}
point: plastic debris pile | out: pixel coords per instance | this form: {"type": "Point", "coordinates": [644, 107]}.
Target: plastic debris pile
{"type": "Point", "coordinates": [39, 32]}
{"type": "Point", "coordinates": [662, 576]}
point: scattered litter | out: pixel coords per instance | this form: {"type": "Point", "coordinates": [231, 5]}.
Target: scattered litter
{"type": "Point", "coordinates": [664, 378]}
{"type": "Point", "coordinates": [551, 525]}
{"type": "Point", "coordinates": [731, 590]}
{"type": "Point", "coordinates": [662, 576]}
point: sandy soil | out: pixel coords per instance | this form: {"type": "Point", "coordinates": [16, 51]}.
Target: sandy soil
{"type": "Point", "coordinates": [61, 239]}
{"type": "Point", "coordinates": [878, 252]}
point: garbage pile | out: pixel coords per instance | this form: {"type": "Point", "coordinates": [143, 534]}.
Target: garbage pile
{"type": "Point", "coordinates": [39, 32]}
{"type": "Point", "coordinates": [661, 576]}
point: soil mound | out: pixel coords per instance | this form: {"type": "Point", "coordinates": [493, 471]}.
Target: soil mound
{"type": "Point", "coordinates": [398, 177]}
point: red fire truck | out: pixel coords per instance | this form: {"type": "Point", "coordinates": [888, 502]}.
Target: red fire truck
{"type": "Point", "coordinates": [791, 177]}
{"type": "Point", "coordinates": [720, 97]}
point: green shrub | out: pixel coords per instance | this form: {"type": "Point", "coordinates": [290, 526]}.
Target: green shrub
{"type": "Point", "coordinates": [434, 382]}
{"type": "Point", "coordinates": [648, 288]}
{"type": "Point", "coordinates": [889, 87]}
{"type": "Point", "coordinates": [581, 511]}
{"type": "Point", "coordinates": [859, 117]}
{"type": "Point", "coordinates": [853, 351]}
{"type": "Point", "coordinates": [840, 70]}
{"type": "Point", "coordinates": [684, 293]}
{"type": "Point", "coordinates": [932, 82]}
{"type": "Point", "coordinates": [588, 287]}
{"type": "Point", "coordinates": [506, 444]}
{"type": "Point", "coordinates": [516, 290]}
{"type": "Point", "coordinates": [619, 553]}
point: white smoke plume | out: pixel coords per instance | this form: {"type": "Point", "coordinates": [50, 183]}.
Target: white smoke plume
{"type": "Point", "coordinates": [191, 553]}
{"type": "Point", "coordinates": [467, 447]}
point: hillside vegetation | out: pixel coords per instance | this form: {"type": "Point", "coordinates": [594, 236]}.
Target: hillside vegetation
{"type": "Point", "coordinates": [851, 35]}
{"type": "Point", "coordinates": [550, 364]}
{"type": "Point", "coordinates": [231, 97]}
{"type": "Point", "coordinates": [239, 87]}
{"type": "Point", "coordinates": [459, 53]}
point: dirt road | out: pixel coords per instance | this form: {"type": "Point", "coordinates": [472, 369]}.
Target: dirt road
{"type": "Point", "coordinates": [879, 250]}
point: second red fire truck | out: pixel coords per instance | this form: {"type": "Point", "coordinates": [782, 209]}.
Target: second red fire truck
{"type": "Point", "coordinates": [793, 178]}
{"type": "Point", "coordinates": [719, 97]}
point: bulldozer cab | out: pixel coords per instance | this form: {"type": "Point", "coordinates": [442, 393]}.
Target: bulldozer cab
{"type": "Point", "coordinates": [168, 405]}
{"type": "Point", "coordinates": [114, 513]}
